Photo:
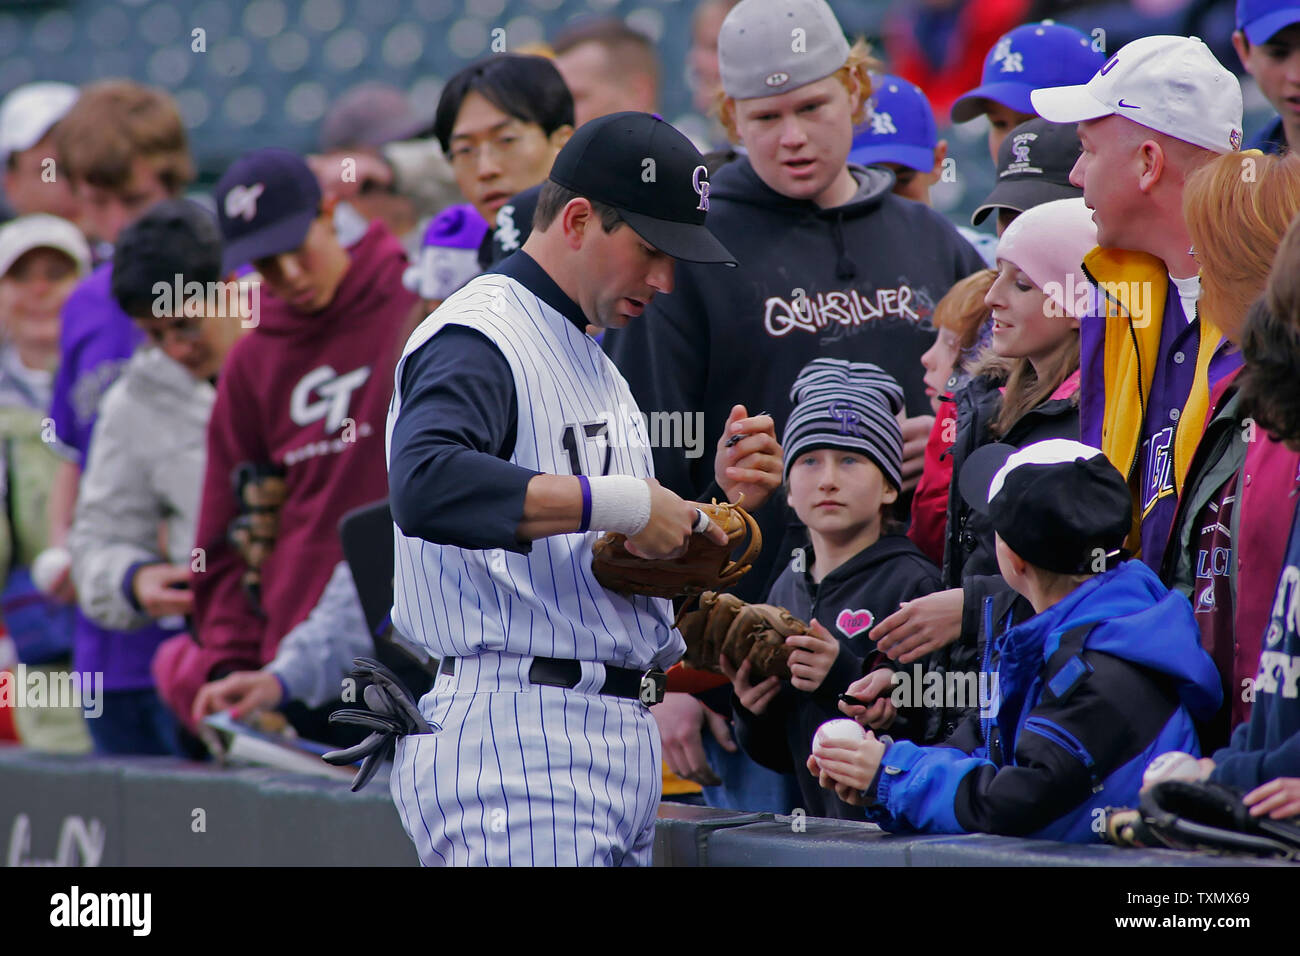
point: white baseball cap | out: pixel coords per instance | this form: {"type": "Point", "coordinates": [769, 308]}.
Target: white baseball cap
{"type": "Point", "coordinates": [28, 112]}
{"type": "Point", "coordinates": [1173, 85]}
{"type": "Point", "coordinates": [42, 231]}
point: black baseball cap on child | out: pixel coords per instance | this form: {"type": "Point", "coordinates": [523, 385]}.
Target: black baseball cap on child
{"type": "Point", "coordinates": [652, 174]}
{"type": "Point", "coordinates": [848, 405]}
{"type": "Point", "coordinates": [1055, 503]}
{"type": "Point", "coordinates": [1034, 164]}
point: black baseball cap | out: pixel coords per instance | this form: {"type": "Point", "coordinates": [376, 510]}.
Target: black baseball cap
{"type": "Point", "coordinates": [1055, 503]}
{"type": "Point", "coordinates": [652, 174]}
{"type": "Point", "coordinates": [1034, 164]}
{"type": "Point", "coordinates": [266, 201]}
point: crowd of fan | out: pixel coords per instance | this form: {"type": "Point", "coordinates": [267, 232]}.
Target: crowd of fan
{"type": "Point", "coordinates": [1118, 360]}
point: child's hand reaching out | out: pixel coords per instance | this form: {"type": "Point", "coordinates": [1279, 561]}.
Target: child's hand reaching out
{"type": "Point", "coordinates": [753, 697]}
{"type": "Point", "coordinates": [1279, 799]}
{"type": "Point", "coordinates": [812, 658]}
{"type": "Point", "coordinates": [875, 688]}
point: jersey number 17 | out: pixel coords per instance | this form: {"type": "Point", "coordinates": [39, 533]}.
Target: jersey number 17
{"type": "Point", "coordinates": [588, 434]}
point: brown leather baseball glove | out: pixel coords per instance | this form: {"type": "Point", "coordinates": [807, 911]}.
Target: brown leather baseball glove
{"type": "Point", "coordinates": [704, 625]}
{"type": "Point", "coordinates": [704, 566]}
{"type": "Point", "coordinates": [260, 490]}
{"type": "Point", "coordinates": [723, 624]}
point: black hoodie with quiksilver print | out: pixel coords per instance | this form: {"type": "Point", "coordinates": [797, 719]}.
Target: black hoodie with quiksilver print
{"type": "Point", "coordinates": [855, 282]}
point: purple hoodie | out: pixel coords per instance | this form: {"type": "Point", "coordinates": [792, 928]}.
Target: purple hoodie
{"type": "Point", "coordinates": [96, 338]}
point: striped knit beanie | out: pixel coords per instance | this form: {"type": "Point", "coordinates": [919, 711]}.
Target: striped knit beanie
{"type": "Point", "coordinates": [848, 405]}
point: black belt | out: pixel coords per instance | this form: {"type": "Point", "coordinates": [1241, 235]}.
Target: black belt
{"type": "Point", "coordinates": [648, 686]}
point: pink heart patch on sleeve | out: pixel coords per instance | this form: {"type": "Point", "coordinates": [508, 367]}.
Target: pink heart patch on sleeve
{"type": "Point", "coordinates": [852, 622]}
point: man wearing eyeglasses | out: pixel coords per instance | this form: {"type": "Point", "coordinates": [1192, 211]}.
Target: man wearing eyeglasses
{"type": "Point", "coordinates": [501, 122]}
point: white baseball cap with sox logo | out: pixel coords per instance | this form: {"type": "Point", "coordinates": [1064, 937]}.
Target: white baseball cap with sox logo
{"type": "Point", "coordinates": [1171, 84]}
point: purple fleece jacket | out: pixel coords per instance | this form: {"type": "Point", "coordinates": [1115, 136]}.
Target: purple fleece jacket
{"type": "Point", "coordinates": [96, 338]}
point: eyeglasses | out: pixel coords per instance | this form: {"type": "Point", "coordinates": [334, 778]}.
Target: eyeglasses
{"type": "Point", "coordinates": [503, 145]}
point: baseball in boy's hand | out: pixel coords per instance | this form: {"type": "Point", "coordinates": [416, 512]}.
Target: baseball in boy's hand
{"type": "Point", "coordinates": [841, 728]}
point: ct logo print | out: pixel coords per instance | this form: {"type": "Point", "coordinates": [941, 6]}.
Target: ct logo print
{"type": "Point", "coordinates": [701, 187]}
{"type": "Point", "coordinates": [335, 394]}
{"type": "Point", "coordinates": [241, 201]}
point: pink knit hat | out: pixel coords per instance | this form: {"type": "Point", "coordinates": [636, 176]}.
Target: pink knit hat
{"type": "Point", "coordinates": [1048, 243]}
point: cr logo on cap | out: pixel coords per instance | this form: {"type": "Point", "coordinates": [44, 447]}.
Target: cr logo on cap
{"type": "Point", "coordinates": [241, 201]}
{"type": "Point", "coordinates": [849, 421]}
{"type": "Point", "coordinates": [776, 79]}
{"type": "Point", "coordinates": [701, 187]}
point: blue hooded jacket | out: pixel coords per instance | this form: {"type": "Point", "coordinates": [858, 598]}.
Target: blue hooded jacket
{"type": "Point", "coordinates": [1084, 695]}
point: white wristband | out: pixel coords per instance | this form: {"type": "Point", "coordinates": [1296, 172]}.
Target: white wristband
{"type": "Point", "coordinates": [619, 503]}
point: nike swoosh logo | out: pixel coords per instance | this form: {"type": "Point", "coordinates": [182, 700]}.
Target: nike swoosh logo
{"type": "Point", "coordinates": [1128, 106]}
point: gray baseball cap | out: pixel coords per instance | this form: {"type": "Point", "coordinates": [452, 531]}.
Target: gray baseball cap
{"type": "Point", "coordinates": [768, 47]}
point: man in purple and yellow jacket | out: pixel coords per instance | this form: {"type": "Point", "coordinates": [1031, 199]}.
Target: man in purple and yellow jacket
{"type": "Point", "coordinates": [1156, 111]}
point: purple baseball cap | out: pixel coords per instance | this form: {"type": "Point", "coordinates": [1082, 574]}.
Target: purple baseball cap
{"type": "Point", "coordinates": [901, 128]}
{"type": "Point", "coordinates": [1030, 56]}
{"type": "Point", "coordinates": [1260, 19]}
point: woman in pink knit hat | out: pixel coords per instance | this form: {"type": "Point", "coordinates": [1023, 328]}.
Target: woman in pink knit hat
{"type": "Point", "coordinates": [1024, 389]}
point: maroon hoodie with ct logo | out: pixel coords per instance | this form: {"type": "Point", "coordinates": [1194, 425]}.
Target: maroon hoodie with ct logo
{"type": "Point", "coordinates": [308, 392]}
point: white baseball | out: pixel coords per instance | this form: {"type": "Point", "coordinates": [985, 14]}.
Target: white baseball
{"type": "Point", "coordinates": [47, 567]}
{"type": "Point", "coordinates": [839, 729]}
{"type": "Point", "coordinates": [1173, 765]}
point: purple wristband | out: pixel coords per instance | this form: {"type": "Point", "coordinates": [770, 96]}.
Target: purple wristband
{"type": "Point", "coordinates": [586, 504]}
{"type": "Point", "coordinates": [285, 697]}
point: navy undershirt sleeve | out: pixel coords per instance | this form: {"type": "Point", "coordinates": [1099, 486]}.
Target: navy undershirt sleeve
{"type": "Point", "coordinates": [448, 480]}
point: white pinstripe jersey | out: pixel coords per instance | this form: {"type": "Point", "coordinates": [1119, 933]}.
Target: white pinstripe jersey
{"type": "Point", "coordinates": [571, 402]}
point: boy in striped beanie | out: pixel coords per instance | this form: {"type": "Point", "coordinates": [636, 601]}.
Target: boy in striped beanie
{"type": "Point", "coordinates": [843, 454]}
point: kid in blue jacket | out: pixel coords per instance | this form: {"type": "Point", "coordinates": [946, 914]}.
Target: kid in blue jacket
{"type": "Point", "coordinates": [1107, 674]}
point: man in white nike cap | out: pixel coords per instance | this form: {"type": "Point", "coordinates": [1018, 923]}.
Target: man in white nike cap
{"type": "Point", "coordinates": [1156, 111]}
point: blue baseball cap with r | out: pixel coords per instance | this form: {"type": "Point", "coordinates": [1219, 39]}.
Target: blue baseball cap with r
{"type": "Point", "coordinates": [1261, 19]}
{"type": "Point", "coordinates": [1030, 56]}
{"type": "Point", "coordinates": [266, 201]}
{"type": "Point", "coordinates": [901, 127]}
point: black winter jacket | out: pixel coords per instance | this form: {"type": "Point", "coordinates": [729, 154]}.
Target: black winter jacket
{"type": "Point", "coordinates": [856, 282]}
{"type": "Point", "coordinates": [848, 602]}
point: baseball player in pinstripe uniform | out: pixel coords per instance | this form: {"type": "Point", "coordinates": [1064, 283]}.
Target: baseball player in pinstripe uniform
{"type": "Point", "coordinates": [513, 440]}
